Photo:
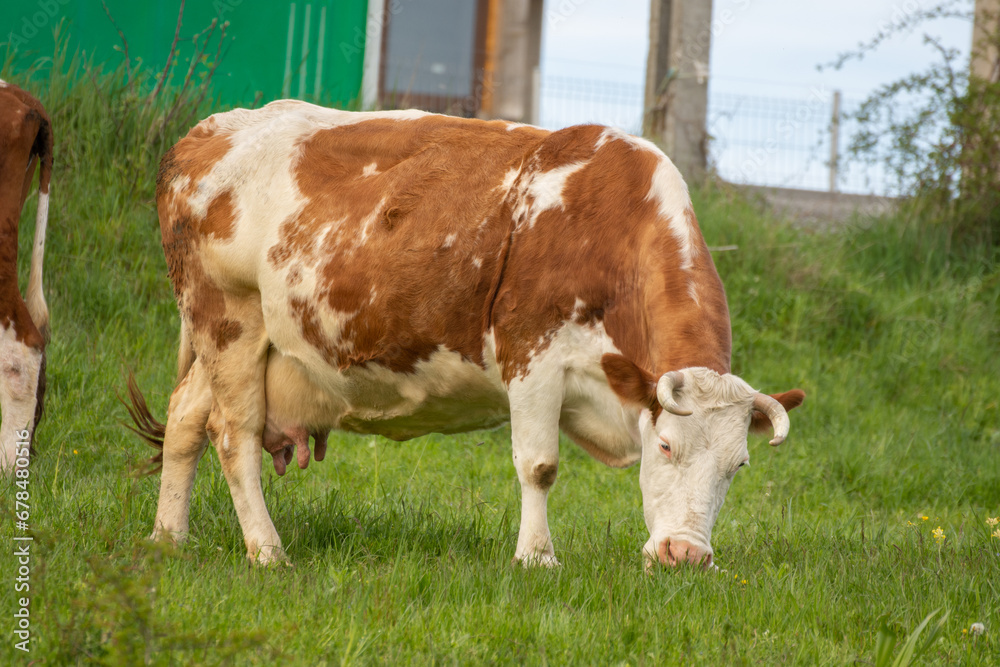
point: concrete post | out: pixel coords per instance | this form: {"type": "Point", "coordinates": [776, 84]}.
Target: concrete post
{"type": "Point", "coordinates": [985, 62]}
{"type": "Point", "coordinates": [519, 54]}
{"type": "Point", "coordinates": [677, 69]}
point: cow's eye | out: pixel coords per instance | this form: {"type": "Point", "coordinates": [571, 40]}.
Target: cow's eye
{"type": "Point", "coordinates": [665, 446]}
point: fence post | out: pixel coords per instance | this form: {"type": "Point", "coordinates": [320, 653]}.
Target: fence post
{"type": "Point", "coordinates": [534, 111]}
{"type": "Point", "coordinates": [834, 141]}
{"type": "Point", "coordinates": [677, 71]}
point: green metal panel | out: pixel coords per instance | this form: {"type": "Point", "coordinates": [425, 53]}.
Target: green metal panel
{"type": "Point", "coordinates": [256, 59]}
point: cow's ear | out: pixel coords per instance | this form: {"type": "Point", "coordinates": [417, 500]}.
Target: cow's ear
{"type": "Point", "coordinates": [759, 422]}
{"type": "Point", "coordinates": [633, 385]}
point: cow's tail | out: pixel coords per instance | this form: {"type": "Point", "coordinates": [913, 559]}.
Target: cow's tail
{"type": "Point", "coordinates": [145, 425]}
{"type": "Point", "coordinates": [35, 297]}
{"type": "Point", "coordinates": [185, 354]}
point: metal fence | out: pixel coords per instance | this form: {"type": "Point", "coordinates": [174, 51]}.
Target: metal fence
{"type": "Point", "coordinates": [570, 101]}
{"type": "Point", "coordinates": [754, 140]}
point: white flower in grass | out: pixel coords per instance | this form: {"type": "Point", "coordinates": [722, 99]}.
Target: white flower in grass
{"type": "Point", "coordinates": [977, 629]}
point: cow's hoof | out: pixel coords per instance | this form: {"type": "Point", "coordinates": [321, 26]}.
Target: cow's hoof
{"type": "Point", "coordinates": [269, 557]}
{"type": "Point", "coordinates": [536, 560]}
{"type": "Point", "coordinates": [164, 536]}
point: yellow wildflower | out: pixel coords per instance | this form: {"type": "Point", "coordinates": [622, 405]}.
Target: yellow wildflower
{"type": "Point", "coordinates": [938, 534]}
{"type": "Point", "coordinates": [924, 517]}
{"type": "Point", "coordinates": [992, 521]}
{"type": "Point", "coordinates": [910, 523]}
{"type": "Point", "coordinates": [75, 452]}
{"type": "Point", "coordinates": [996, 533]}
{"type": "Point", "coordinates": [744, 582]}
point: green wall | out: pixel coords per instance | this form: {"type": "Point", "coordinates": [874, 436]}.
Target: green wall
{"type": "Point", "coordinates": [254, 63]}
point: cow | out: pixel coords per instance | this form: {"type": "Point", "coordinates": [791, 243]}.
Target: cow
{"type": "Point", "coordinates": [25, 141]}
{"type": "Point", "coordinates": [401, 273]}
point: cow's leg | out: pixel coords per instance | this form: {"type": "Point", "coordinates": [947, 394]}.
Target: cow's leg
{"type": "Point", "coordinates": [20, 366]}
{"type": "Point", "coordinates": [535, 404]}
{"type": "Point", "coordinates": [183, 445]}
{"type": "Point", "coordinates": [238, 387]}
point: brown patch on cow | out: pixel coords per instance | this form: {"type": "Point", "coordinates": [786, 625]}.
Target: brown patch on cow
{"type": "Point", "coordinates": [574, 144]}
{"type": "Point", "coordinates": [197, 153]}
{"type": "Point", "coordinates": [396, 259]}
{"type": "Point", "coordinates": [632, 384]}
{"type": "Point", "coordinates": [759, 423]}
{"type": "Point", "coordinates": [589, 249]}
{"type": "Point", "coordinates": [227, 331]}
{"type": "Point", "coordinates": [608, 247]}
{"type": "Point", "coordinates": [294, 276]}
{"type": "Point", "coordinates": [544, 474]}
{"type": "Point", "coordinates": [312, 330]}
{"type": "Point", "coordinates": [220, 219]}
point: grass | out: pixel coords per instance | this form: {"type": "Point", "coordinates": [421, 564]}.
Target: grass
{"type": "Point", "coordinates": [401, 551]}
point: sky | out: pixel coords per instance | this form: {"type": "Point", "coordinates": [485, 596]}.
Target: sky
{"type": "Point", "coordinates": [761, 48]}
{"type": "Point", "coordinates": [765, 46]}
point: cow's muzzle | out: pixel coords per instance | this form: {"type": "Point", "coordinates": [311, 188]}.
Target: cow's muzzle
{"type": "Point", "coordinates": [678, 552]}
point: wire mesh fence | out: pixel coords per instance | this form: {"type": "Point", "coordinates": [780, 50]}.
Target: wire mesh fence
{"type": "Point", "coordinates": [754, 140]}
{"type": "Point", "coordinates": [787, 142]}
{"type": "Point", "coordinates": [570, 101]}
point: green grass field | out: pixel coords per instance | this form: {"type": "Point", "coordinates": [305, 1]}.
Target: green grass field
{"type": "Point", "coordinates": [401, 551]}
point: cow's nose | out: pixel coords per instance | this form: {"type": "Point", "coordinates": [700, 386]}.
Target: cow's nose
{"type": "Point", "coordinates": [676, 552]}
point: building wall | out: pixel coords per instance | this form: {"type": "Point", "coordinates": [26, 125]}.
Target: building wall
{"type": "Point", "coordinates": [258, 55]}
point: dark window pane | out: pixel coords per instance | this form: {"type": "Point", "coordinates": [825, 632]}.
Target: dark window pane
{"type": "Point", "coordinates": [430, 48]}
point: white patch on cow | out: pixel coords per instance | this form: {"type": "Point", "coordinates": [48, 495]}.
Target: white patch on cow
{"type": "Point", "coordinates": [19, 369]}
{"type": "Point", "coordinates": [670, 192]}
{"type": "Point", "coordinates": [511, 126]}
{"type": "Point", "coordinates": [636, 143]}
{"type": "Point", "coordinates": [693, 292]}
{"type": "Point", "coordinates": [563, 386]}
{"type": "Point", "coordinates": [370, 170]}
{"type": "Point", "coordinates": [545, 192]}
{"type": "Point", "coordinates": [682, 494]}
{"type": "Point", "coordinates": [449, 241]}
{"type": "Point", "coordinates": [368, 224]}
{"type": "Point", "coordinates": [477, 262]}
{"type": "Point", "coordinates": [284, 117]}
{"type": "Point", "coordinates": [3, 83]}
{"type": "Point", "coordinates": [374, 293]}
{"type": "Point", "coordinates": [444, 393]}
{"type": "Point", "coordinates": [508, 181]}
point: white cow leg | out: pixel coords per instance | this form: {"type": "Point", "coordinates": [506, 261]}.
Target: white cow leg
{"type": "Point", "coordinates": [183, 445]}
{"type": "Point", "coordinates": [534, 420]}
{"type": "Point", "coordinates": [19, 369]}
{"type": "Point", "coordinates": [238, 386]}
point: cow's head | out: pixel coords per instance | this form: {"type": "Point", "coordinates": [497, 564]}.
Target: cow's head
{"type": "Point", "coordinates": [693, 427]}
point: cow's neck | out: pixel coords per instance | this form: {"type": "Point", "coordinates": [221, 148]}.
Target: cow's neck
{"type": "Point", "coordinates": [684, 309]}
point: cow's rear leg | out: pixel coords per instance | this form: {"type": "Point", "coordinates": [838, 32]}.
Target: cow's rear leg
{"type": "Point", "coordinates": [238, 386]}
{"type": "Point", "coordinates": [184, 443]}
{"type": "Point", "coordinates": [20, 366]}
{"type": "Point", "coordinates": [535, 404]}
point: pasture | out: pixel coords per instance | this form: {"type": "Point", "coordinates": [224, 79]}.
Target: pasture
{"type": "Point", "coordinates": [401, 551]}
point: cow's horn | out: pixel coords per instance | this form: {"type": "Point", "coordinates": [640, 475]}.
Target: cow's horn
{"type": "Point", "coordinates": [665, 392]}
{"type": "Point", "coordinates": [776, 413]}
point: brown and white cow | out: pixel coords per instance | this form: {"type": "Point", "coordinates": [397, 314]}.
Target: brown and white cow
{"type": "Point", "coordinates": [25, 140]}
{"type": "Point", "coordinates": [402, 273]}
